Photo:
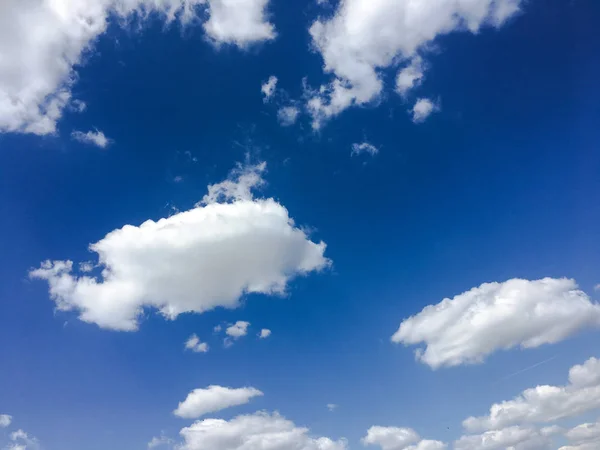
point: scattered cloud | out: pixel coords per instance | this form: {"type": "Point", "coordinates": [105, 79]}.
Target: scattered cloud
{"type": "Point", "coordinates": [78, 106]}
{"type": "Point", "coordinates": [410, 76]}
{"type": "Point", "coordinates": [395, 438]}
{"type": "Point", "coordinates": [583, 437]}
{"type": "Point", "coordinates": [160, 441]}
{"type": "Point", "coordinates": [498, 316]}
{"type": "Point", "coordinates": [364, 147]}
{"type": "Point", "coordinates": [258, 431]}
{"type": "Point", "coordinates": [228, 245]}
{"type": "Point", "coordinates": [194, 344]}
{"type": "Point", "coordinates": [177, 179]}
{"type": "Point", "coordinates": [214, 398]}
{"type": "Point", "coordinates": [288, 115]}
{"type": "Point", "coordinates": [363, 37]}
{"type": "Point", "coordinates": [5, 420]}
{"type": "Point", "coordinates": [238, 329]}
{"type": "Point", "coordinates": [217, 328]}
{"type": "Point", "coordinates": [268, 88]}
{"type": "Point", "coordinates": [544, 404]}
{"type": "Point", "coordinates": [264, 333]}
{"type": "Point", "coordinates": [423, 109]}
{"type": "Point", "coordinates": [96, 138]}
{"type": "Point", "coordinates": [515, 437]}
{"type": "Point", "coordinates": [22, 441]}
{"type": "Point", "coordinates": [331, 406]}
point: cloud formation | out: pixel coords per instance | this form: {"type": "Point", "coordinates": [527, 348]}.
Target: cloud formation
{"type": "Point", "coordinates": [423, 109]}
{"type": "Point", "coordinates": [287, 115]}
{"type": "Point", "coordinates": [5, 420]}
{"type": "Point", "coordinates": [364, 147]}
{"type": "Point", "coordinates": [238, 329]}
{"type": "Point", "coordinates": [395, 438]}
{"type": "Point", "coordinates": [515, 437]}
{"type": "Point", "coordinates": [96, 138]}
{"type": "Point", "coordinates": [268, 88]}
{"type": "Point", "coordinates": [193, 343]}
{"type": "Point", "coordinates": [214, 398]}
{"type": "Point", "coordinates": [229, 245]}
{"type": "Point", "coordinates": [498, 316]}
{"type": "Point", "coordinates": [264, 333]}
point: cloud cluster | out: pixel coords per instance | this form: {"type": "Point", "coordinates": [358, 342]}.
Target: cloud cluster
{"type": "Point", "coordinates": [229, 245]}
{"type": "Point", "coordinates": [193, 343]}
{"type": "Point", "coordinates": [214, 398]}
{"type": "Point", "coordinates": [495, 316]}
{"type": "Point", "coordinates": [363, 37]}
{"type": "Point", "coordinates": [41, 41]}
{"type": "Point", "coordinates": [395, 438]}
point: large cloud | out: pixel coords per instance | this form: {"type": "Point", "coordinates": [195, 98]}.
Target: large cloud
{"type": "Point", "coordinates": [193, 261]}
{"type": "Point", "coordinates": [259, 431]}
{"type": "Point", "coordinates": [583, 437]}
{"type": "Point", "coordinates": [214, 398]}
{"type": "Point", "coordinates": [494, 316]}
{"type": "Point", "coordinates": [515, 438]}
{"type": "Point", "coordinates": [41, 41]}
{"type": "Point", "coordinates": [544, 404]}
{"type": "Point", "coordinates": [396, 438]}
{"type": "Point", "coordinates": [364, 36]}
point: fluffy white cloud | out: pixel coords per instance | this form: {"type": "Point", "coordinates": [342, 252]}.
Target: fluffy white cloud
{"type": "Point", "coordinates": [264, 333]}
{"type": "Point", "coordinates": [364, 147]}
{"type": "Point", "coordinates": [410, 76]}
{"type": "Point", "coordinates": [238, 329]}
{"type": "Point", "coordinates": [395, 438]}
{"type": "Point", "coordinates": [5, 420]}
{"type": "Point", "coordinates": [41, 41]}
{"type": "Point", "coordinates": [214, 398]}
{"type": "Point", "coordinates": [494, 316]}
{"type": "Point", "coordinates": [268, 88]}
{"type": "Point", "coordinates": [288, 115]}
{"type": "Point", "coordinates": [514, 438]}
{"type": "Point", "coordinates": [544, 404]}
{"type": "Point", "coordinates": [192, 261]}
{"type": "Point", "coordinates": [96, 138]}
{"type": "Point", "coordinates": [364, 36]}
{"type": "Point", "coordinates": [423, 109]}
{"type": "Point", "coordinates": [258, 431]}
{"type": "Point", "coordinates": [193, 343]}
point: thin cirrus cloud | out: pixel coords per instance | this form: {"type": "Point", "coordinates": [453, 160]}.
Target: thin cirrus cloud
{"type": "Point", "coordinates": [35, 90]}
{"type": "Point", "coordinates": [498, 316]}
{"type": "Point", "coordinates": [258, 431]}
{"type": "Point", "coordinates": [96, 138]}
{"type": "Point", "coordinates": [214, 398]}
{"type": "Point", "coordinates": [228, 245]}
{"type": "Point", "coordinates": [397, 438]}
{"type": "Point", "coordinates": [363, 37]}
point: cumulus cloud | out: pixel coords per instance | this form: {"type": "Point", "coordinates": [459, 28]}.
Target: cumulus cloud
{"type": "Point", "coordinates": [495, 316]}
{"type": "Point", "coordinates": [515, 438]}
{"type": "Point", "coordinates": [264, 333]}
{"type": "Point", "coordinates": [288, 115]}
{"type": "Point", "coordinates": [41, 41]}
{"type": "Point", "coordinates": [423, 109]}
{"type": "Point", "coordinates": [395, 438]}
{"type": "Point", "coordinates": [363, 37]}
{"type": "Point", "coordinates": [238, 329]}
{"type": "Point", "coordinates": [228, 245]}
{"type": "Point", "coordinates": [214, 398]}
{"type": "Point", "coordinates": [268, 88]}
{"type": "Point", "coordinates": [5, 420]}
{"type": "Point", "coordinates": [96, 138]}
{"type": "Point", "coordinates": [583, 437]}
{"type": "Point", "coordinates": [22, 441]}
{"type": "Point", "coordinates": [193, 343]}
{"type": "Point", "coordinates": [544, 404]}
{"type": "Point", "coordinates": [258, 431]}
{"type": "Point", "coordinates": [364, 147]}
{"type": "Point", "coordinates": [410, 76]}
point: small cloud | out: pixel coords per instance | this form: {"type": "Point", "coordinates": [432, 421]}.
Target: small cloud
{"type": "Point", "coordinates": [217, 329]}
{"type": "Point", "coordinates": [194, 344]}
{"type": "Point", "coordinates": [86, 267]}
{"type": "Point", "coordinates": [364, 147]}
{"type": "Point", "coordinates": [331, 406]}
{"type": "Point", "coordinates": [238, 329]}
{"type": "Point", "coordinates": [288, 115]}
{"type": "Point", "coordinates": [410, 76]}
{"type": "Point", "coordinates": [96, 138]}
{"type": "Point", "coordinates": [597, 287]}
{"type": "Point", "coordinates": [177, 179]}
{"type": "Point", "coordinates": [5, 420]}
{"type": "Point", "coordinates": [160, 441]}
{"type": "Point", "coordinates": [190, 157]}
{"type": "Point", "coordinates": [264, 333]}
{"type": "Point", "coordinates": [78, 106]}
{"type": "Point", "coordinates": [268, 88]}
{"type": "Point", "coordinates": [423, 108]}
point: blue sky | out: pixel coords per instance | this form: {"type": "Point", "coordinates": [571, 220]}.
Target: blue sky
{"type": "Point", "coordinates": [330, 251]}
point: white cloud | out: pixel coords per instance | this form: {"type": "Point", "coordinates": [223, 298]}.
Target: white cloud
{"type": "Point", "coordinates": [78, 105]}
{"type": "Point", "coordinates": [238, 329]}
{"type": "Point", "coordinates": [515, 438]}
{"type": "Point", "coordinates": [258, 431]}
{"type": "Point", "coordinates": [41, 41]}
{"type": "Point", "coordinates": [288, 115]}
{"type": "Point", "coordinates": [214, 398]}
{"type": "Point", "coordinates": [395, 438]}
{"type": "Point", "coordinates": [423, 109]}
{"type": "Point", "coordinates": [22, 441]}
{"type": "Point", "coordinates": [192, 261]}
{"type": "Point", "coordinates": [268, 88]}
{"type": "Point", "coordinates": [364, 147]}
{"type": "Point", "coordinates": [5, 420]}
{"type": "Point", "coordinates": [364, 36]}
{"type": "Point", "coordinates": [264, 333]}
{"type": "Point", "coordinates": [331, 406]}
{"type": "Point", "coordinates": [193, 343]}
{"type": "Point", "coordinates": [410, 76]}
{"type": "Point", "coordinates": [96, 138]}
{"type": "Point", "coordinates": [495, 316]}
{"type": "Point", "coordinates": [544, 404]}
{"type": "Point", "coordinates": [583, 437]}
{"type": "Point", "coordinates": [159, 441]}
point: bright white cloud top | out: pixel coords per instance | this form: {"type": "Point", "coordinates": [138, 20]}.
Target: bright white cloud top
{"type": "Point", "coordinates": [228, 245]}
{"type": "Point", "coordinates": [422, 109]}
{"type": "Point", "coordinates": [96, 138]}
{"type": "Point", "coordinates": [214, 398]}
{"type": "Point", "coordinates": [41, 41]}
{"type": "Point", "coordinates": [5, 420]}
{"type": "Point", "coordinates": [395, 438]}
{"type": "Point", "coordinates": [193, 343]}
{"type": "Point", "coordinates": [410, 76]}
{"type": "Point", "coordinates": [268, 88]}
{"type": "Point", "coordinates": [365, 36]}
{"type": "Point", "coordinates": [264, 333]}
{"type": "Point", "coordinates": [497, 316]}
{"type": "Point", "coordinates": [238, 329]}
{"type": "Point", "coordinates": [258, 431]}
